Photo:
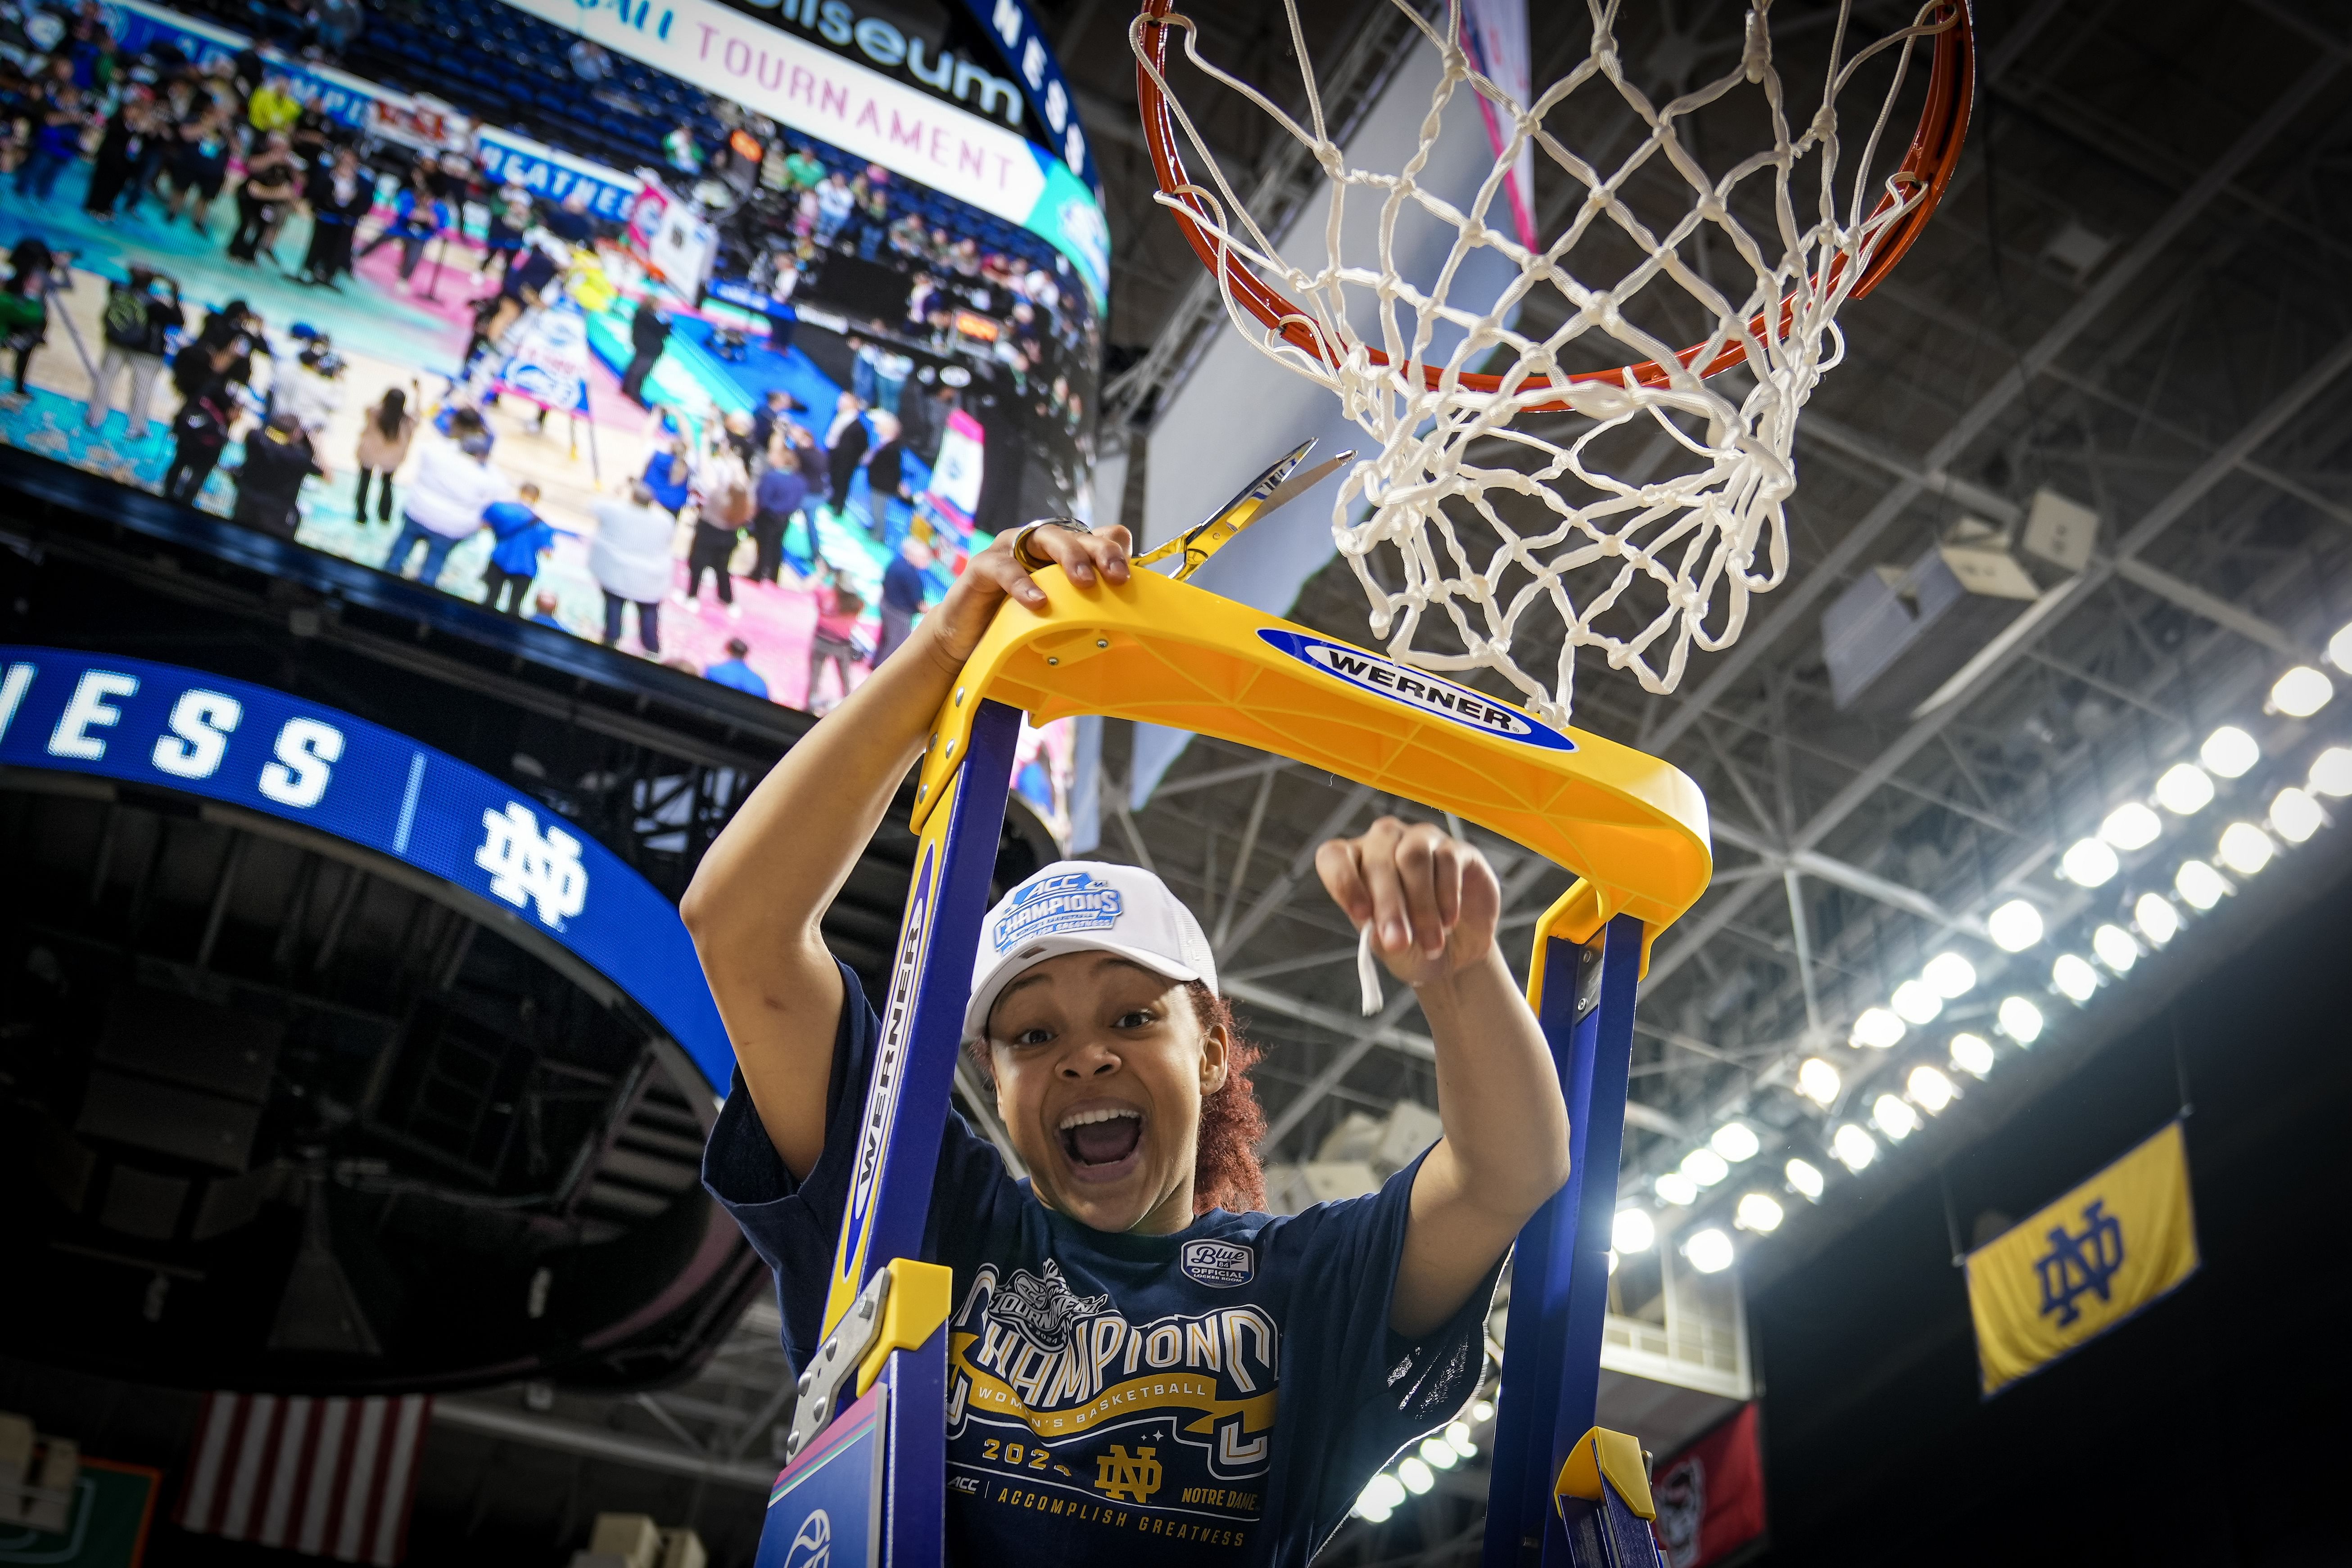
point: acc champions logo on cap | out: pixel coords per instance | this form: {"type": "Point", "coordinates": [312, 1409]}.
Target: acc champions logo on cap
{"type": "Point", "coordinates": [1221, 1263]}
{"type": "Point", "coordinates": [1417, 689]}
{"type": "Point", "coordinates": [1066, 901]}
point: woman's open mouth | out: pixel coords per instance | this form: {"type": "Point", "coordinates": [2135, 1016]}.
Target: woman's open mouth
{"type": "Point", "coordinates": [1102, 1143]}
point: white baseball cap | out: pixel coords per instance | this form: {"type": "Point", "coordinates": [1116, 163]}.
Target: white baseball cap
{"type": "Point", "coordinates": [1084, 906]}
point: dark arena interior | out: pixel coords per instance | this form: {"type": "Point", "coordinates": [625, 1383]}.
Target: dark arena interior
{"type": "Point", "coordinates": [1968, 1138]}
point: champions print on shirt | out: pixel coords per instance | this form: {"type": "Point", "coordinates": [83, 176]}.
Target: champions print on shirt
{"type": "Point", "coordinates": [1058, 1405]}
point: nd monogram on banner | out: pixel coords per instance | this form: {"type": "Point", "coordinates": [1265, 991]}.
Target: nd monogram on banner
{"type": "Point", "coordinates": [527, 866]}
{"type": "Point", "coordinates": [2076, 1265]}
{"type": "Point", "coordinates": [1128, 1477]}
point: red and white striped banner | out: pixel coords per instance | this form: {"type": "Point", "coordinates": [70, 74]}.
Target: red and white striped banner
{"type": "Point", "coordinates": [329, 1477]}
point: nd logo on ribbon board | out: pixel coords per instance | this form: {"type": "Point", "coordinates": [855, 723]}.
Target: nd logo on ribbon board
{"type": "Point", "coordinates": [2063, 1276]}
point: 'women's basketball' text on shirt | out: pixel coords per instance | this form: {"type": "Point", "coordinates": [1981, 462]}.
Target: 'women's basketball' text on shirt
{"type": "Point", "coordinates": [1220, 1395]}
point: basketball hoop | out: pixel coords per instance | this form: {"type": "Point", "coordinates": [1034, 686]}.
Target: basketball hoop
{"type": "Point", "coordinates": [1677, 556]}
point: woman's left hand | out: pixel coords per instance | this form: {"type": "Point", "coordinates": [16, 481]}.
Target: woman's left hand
{"type": "Point", "coordinates": [1431, 901]}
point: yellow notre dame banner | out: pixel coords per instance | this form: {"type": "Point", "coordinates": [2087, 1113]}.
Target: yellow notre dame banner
{"type": "Point", "coordinates": [2063, 1276]}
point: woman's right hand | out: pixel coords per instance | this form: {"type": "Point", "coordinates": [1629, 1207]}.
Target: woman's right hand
{"type": "Point", "coordinates": [993, 575]}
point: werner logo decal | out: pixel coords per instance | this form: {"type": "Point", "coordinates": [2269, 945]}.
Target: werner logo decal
{"type": "Point", "coordinates": [1417, 689]}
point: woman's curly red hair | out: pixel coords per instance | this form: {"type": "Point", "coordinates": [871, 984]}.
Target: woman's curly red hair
{"type": "Point", "coordinates": [1225, 1170]}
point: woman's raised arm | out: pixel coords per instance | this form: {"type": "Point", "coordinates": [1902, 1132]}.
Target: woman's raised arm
{"type": "Point", "coordinates": [756, 899]}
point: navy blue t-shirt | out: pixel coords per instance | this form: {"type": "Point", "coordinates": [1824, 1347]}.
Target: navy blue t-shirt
{"type": "Point", "coordinates": [1219, 1395]}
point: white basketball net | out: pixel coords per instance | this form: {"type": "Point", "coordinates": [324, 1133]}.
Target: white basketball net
{"type": "Point", "coordinates": [1706, 537]}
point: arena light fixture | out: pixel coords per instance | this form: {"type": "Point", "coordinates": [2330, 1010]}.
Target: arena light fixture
{"type": "Point", "coordinates": [2230, 751]}
{"type": "Point", "coordinates": [1929, 1088]}
{"type": "Point", "coordinates": [2294, 815]}
{"type": "Point", "coordinates": [1893, 1116]}
{"type": "Point", "coordinates": [2340, 648]}
{"type": "Point", "coordinates": [1915, 1001]}
{"type": "Point", "coordinates": [1878, 1028]}
{"type": "Point", "coordinates": [2115, 947]}
{"type": "Point", "coordinates": [1972, 1054]}
{"type": "Point", "coordinates": [2131, 825]}
{"type": "Point", "coordinates": [1458, 1439]}
{"type": "Point", "coordinates": [2302, 691]}
{"type": "Point", "coordinates": [1481, 1412]}
{"type": "Point", "coordinates": [1736, 1141]}
{"type": "Point", "coordinates": [2019, 1019]}
{"type": "Point", "coordinates": [2245, 848]}
{"type": "Point", "coordinates": [1805, 1177]}
{"type": "Point", "coordinates": [2015, 926]}
{"type": "Point", "coordinates": [1950, 975]}
{"type": "Point", "coordinates": [1438, 1454]}
{"type": "Point", "coordinates": [1611, 1256]}
{"type": "Point", "coordinates": [2184, 789]}
{"type": "Point", "coordinates": [1417, 1476]}
{"type": "Point", "coordinates": [2072, 974]}
{"type": "Point", "coordinates": [2331, 772]}
{"type": "Point", "coordinates": [2089, 863]}
{"type": "Point", "coordinates": [1855, 1148]}
{"type": "Point", "coordinates": [1710, 1250]}
{"type": "Point", "coordinates": [1382, 1492]}
{"type": "Point", "coordinates": [1632, 1231]}
{"type": "Point", "coordinates": [1817, 1081]}
{"type": "Point", "coordinates": [1676, 1188]}
{"type": "Point", "coordinates": [2156, 919]}
{"type": "Point", "coordinates": [2199, 886]}
{"type": "Point", "coordinates": [1759, 1213]}
{"type": "Point", "coordinates": [1705, 1167]}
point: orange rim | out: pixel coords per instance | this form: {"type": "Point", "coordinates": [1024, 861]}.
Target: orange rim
{"type": "Point", "coordinates": [1933, 157]}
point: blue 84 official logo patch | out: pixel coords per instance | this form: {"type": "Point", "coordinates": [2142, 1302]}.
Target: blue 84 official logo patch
{"type": "Point", "coordinates": [1223, 1264]}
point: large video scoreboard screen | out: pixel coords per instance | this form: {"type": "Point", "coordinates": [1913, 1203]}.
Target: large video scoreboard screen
{"type": "Point", "coordinates": [719, 334]}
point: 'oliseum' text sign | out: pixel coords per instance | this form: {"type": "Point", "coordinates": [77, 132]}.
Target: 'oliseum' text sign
{"type": "Point", "coordinates": [167, 728]}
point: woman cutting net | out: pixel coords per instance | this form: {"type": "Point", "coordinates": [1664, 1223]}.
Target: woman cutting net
{"type": "Point", "coordinates": [1139, 1361]}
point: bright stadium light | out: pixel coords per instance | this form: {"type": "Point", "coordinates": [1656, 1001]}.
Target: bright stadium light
{"type": "Point", "coordinates": [1457, 1437]}
{"type": "Point", "coordinates": [2021, 1020]}
{"type": "Point", "coordinates": [2115, 947]}
{"type": "Point", "coordinates": [2302, 691]}
{"type": "Point", "coordinates": [1709, 1251]}
{"type": "Point", "coordinates": [1438, 1454]}
{"type": "Point", "coordinates": [1915, 1001]}
{"type": "Point", "coordinates": [1676, 1188]}
{"type": "Point", "coordinates": [1879, 1027]}
{"type": "Point", "coordinates": [2015, 926]}
{"type": "Point", "coordinates": [2131, 825]}
{"type": "Point", "coordinates": [1757, 1213]}
{"type": "Point", "coordinates": [1382, 1492]}
{"type": "Point", "coordinates": [2156, 919]}
{"type": "Point", "coordinates": [1806, 1178]}
{"type": "Point", "coordinates": [2331, 772]}
{"type": "Point", "coordinates": [1951, 975]}
{"type": "Point", "coordinates": [2089, 863]}
{"type": "Point", "coordinates": [1817, 1081]}
{"type": "Point", "coordinates": [2230, 751]}
{"type": "Point", "coordinates": [1972, 1054]}
{"type": "Point", "coordinates": [1705, 1167]}
{"type": "Point", "coordinates": [1855, 1148]}
{"type": "Point", "coordinates": [1481, 1412]}
{"type": "Point", "coordinates": [1930, 1088]}
{"type": "Point", "coordinates": [1894, 1116]}
{"type": "Point", "coordinates": [2245, 848]}
{"type": "Point", "coordinates": [2294, 815]}
{"type": "Point", "coordinates": [2184, 789]}
{"type": "Point", "coordinates": [2075, 979]}
{"type": "Point", "coordinates": [1632, 1231]}
{"type": "Point", "coordinates": [1736, 1141]}
{"type": "Point", "coordinates": [1417, 1476]}
{"type": "Point", "coordinates": [2199, 886]}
